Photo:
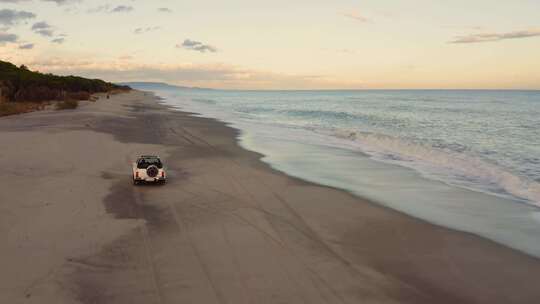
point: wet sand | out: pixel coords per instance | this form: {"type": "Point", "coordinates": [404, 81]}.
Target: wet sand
{"type": "Point", "coordinates": [225, 229]}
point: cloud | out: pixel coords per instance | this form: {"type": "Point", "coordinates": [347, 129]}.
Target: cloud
{"type": "Point", "coordinates": [355, 15]}
{"type": "Point", "coordinates": [106, 8]}
{"type": "Point", "coordinates": [6, 37]}
{"type": "Point", "coordinates": [45, 32]}
{"type": "Point", "coordinates": [487, 37]}
{"type": "Point", "coordinates": [12, 17]}
{"type": "Point", "coordinates": [12, 1]}
{"type": "Point", "coordinates": [26, 46]}
{"type": "Point", "coordinates": [463, 27]}
{"type": "Point", "coordinates": [43, 28]}
{"type": "Point", "coordinates": [40, 25]}
{"type": "Point", "coordinates": [196, 46]}
{"type": "Point", "coordinates": [58, 40]}
{"type": "Point", "coordinates": [165, 10]}
{"type": "Point", "coordinates": [142, 30]}
{"type": "Point", "coordinates": [201, 75]}
{"type": "Point", "coordinates": [61, 2]}
{"type": "Point", "coordinates": [98, 9]}
{"type": "Point", "coordinates": [122, 9]}
{"type": "Point", "coordinates": [121, 69]}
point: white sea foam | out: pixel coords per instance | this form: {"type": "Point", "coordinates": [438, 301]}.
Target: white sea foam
{"type": "Point", "coordinates": [446, 165]}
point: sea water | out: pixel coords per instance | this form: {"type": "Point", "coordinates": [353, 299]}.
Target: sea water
{"type": "Point", "coordinates": [468, 160]}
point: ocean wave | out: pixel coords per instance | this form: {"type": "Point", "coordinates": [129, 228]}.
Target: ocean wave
{"type": "Point", "coordinates": [254, 110]}
{"type": "Point", "coordinates": [323, 114]}
{"type": "Point", "coordinates": [446, 164]}
{"type": "Point", "coordinates": [461, 161]}
{"type": "Point", "coordinates": [205, 100]}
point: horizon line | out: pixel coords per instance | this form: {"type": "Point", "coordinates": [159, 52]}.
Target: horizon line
{"type": "Point", "coordinates": [339, 89]}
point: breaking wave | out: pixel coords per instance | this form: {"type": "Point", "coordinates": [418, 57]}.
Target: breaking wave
{"type": "Point", "coordinates": [445, 164]}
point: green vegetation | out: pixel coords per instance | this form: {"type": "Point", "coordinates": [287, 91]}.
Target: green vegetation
{"type": "Point", "coordinates": [12, 108]}
{"type": "Point", "coordinates": [20, 85]}
{"type": "Point", "coordinates": [67, 105]}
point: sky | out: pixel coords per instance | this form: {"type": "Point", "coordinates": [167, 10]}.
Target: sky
{"type": "Point", "coordinates": [281, 44]}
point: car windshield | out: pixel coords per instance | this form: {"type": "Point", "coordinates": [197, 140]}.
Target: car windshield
{"type": "Point", "coordinates": [144, 163]}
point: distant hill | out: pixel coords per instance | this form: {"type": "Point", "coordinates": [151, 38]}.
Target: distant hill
{"type": "Point", "coordinates": [158, 86]}
{"type": "Point", "coordinates": [19, 84]}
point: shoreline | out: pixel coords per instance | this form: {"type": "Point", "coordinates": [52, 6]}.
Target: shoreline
{"type": "Point", "coordinates": [344, 164]}
{"type": "Point", "coordinates": [227, 227]}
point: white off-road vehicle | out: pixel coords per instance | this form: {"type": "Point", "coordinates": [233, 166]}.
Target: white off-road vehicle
{"type": "Point", "coordinates": [148, 168]}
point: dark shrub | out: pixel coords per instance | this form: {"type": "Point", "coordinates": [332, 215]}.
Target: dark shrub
{"type": "Point", "coordinates": [67, 105]}
{"type": "Point", "coordinates": [79, 95]}
{"type": "Point", "coordinates": [23, 85]}
{"type": "Point", "coordinates": [11, 108]}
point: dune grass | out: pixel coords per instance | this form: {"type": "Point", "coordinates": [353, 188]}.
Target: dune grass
{"type": "Point", "coordinates": [67, 105]}
{"type": "Point", "coordinates": [13, 108]}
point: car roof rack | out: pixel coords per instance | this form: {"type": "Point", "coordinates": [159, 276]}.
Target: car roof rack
{"type": "Point", "coordinates": [149, 156]}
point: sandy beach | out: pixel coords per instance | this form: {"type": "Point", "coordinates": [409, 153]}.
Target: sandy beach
{"type": "Point", "coordinates": [226, 228]}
